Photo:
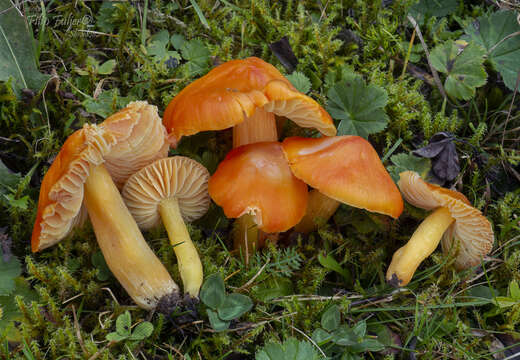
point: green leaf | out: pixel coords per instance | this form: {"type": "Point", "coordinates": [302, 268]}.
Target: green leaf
{"type": "Point", "coordinates": [330, 263]}
{"type": "Point", "coordinates": [216, 323]}
{"type": "Point", "coordinates": [360, 329]}
{"type": "Point", "coordinates": [17, 58]}
{"type": "Point", "coordinates": [290, 349]}
{"type": "Point", "coordinates": [331, 318]}
{"type": "Point", "coordinates": [273, 288]}
{"type": "Point", "coordinates": [98, 260]}
{"type": "Point", "coordinates": [8, 179]}
{"type": "Point", "coordinates": [404, 162]}
{"type": "Point", "coordinates": [107, 103]}
{"type": "Point", "coordinates": [367, 345]}
{"type": "Point", "coordinates": [177, 40]}
{"type": "Point", "coordinates": [197, 55]}
{"type": "Point", "coordinates": [514, 290]}
{"type": "Point", "coordinates": [104, 19]}
{"type": "Point", "coordinates": [200, 14]}
{"type": "Point", "coordinates": [490, 32]}
{"type": "Point", "coordinates": [158, 47]}
{"type": "Point", "coordinates": [9, 311]}
{"type": "Point", "coordinates": [463, 66]}
{"type": "Point", "coordinates": [123, 324]}
{"type": "Point", "coordinates": [429, 8]}
{"type": "Point", "coordinates": [107, 67]}
{"type": "Point", "coordinates": [234, 306]}
{"type": "Point", "coordinates": [212, 292]}
{"type": "Point", "coordinates": [344, 336]}
{"type": "Point", "coordinates": [113, 336]}
{"type": "Point", "coordinates": [300, 81]}
{"type": "Point", "coordinates": [20, 203]}
{"type": "Point", "coordinates": [358, 107]}
{"type": "Point", "coordinates": [142, 331]}
{"type": "Point", "coordinates": [9, 270]}
{"type": "Point", "coordinates": [321, 336]}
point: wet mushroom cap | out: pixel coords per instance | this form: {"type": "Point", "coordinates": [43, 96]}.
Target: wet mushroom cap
{"type": "Point", "coordinates": [471, 233]}
{"type": "Point", "coordinates": [344, 168]}
{"type": "Point", "coordinates": [179, 177]}
{"type": "Point", "coordinates": [256, 179]}
{"type": "Point", "coordinates": [233, 91]}
{"type": "Point", "coordinates": [122, 142]}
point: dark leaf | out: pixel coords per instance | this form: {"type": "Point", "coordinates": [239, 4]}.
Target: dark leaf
{"type": "Point", "coordinates": [442, 151]}
{"type": "Point", "coordinates": [283, 51]}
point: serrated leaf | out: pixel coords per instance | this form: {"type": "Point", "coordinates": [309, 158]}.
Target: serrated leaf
{"type": "Point", "coordinates": [331, 318]}
{"type": "Point", "coordinates": [463, 66]}
{"type": "Point", "coordinates": [177, 40]}
{"type": "Point", "coordinates": [234, 306]}
{"type": "Point", "coordinates": [408, 162]}
{"type": "Point", "coordinates": [107, 103]}
{"type": "Point", "coordinates": [213, 292]}
{"type": "Point", "coordinates": [141, 331]}
{"type": "Point", "coordinates": [17, 58]}
{"type": "Point", "coordinates": [358, 107]}
{"type": "Point", "coordinates": [9, 270]}
{"type": "Point", "coordinates": [158, 48]}
{"type": "Point", "coordinates": [107, 67]}
{"type": "Point", "coordinates": [8, 179]}
{"type": "Point", "coordinates": [123, 324]}
{"type": "Point", "coordinates": [490, 32]}
{"type": "Point", "coordinates": [290, 349]}
{"type": "Point", "coordinates": [11, 312]}
{"type": "Point", "coordinates": [300, 81]}
{"type": "Point", "coordinates": [197, 55]}
{"type": "Point", "coordinates": [104, 18]}
{"type": "Point", "coordinates": [113, 336]}
{"type": "Point", "coordinates": [216, 323]}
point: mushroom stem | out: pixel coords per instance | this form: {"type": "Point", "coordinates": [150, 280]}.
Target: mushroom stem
{"type": "Point", "coordinates": [190, 266]}
{"type": "Point", "coordinates": [126, 252]}
{"type": "Point", "coordinates": [259, 127]}
{"type": "Point", "coordinates": [319, 207]}
{"type": "Point", "coordinates": [422, 243]}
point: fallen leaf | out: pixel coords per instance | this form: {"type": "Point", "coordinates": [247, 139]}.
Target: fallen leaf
{"type": "Point", "coordinates": [442, 151]}
{"type": "Point", "coordinates": [283, 51]}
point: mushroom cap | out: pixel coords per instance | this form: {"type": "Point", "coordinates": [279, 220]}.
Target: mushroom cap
{"type": "Point", "coordinates": [471, 232]}
{"type": "Point", "coordinates": [179, 177]}
{"type": "Point", "coordinates": [231, 91]}
{"type": "Point", "coordinates": [344, 168]}
{"type": "Point", "coordinates": [126, 140]}
{"type": "Point", "coordinates": [256, 179]}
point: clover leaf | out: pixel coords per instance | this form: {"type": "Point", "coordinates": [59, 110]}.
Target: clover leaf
{"type": "Point", "coordinates": [124, 329]}
{"type": "Point", "coordinates": [358, 107]}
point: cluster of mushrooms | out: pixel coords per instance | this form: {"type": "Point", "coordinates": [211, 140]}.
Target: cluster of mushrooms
{"type": "Point", "coordinates": [119, 173]}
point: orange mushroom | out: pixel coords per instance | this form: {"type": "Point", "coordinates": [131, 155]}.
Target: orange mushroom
{"type": "Point", "coordinates": [454, 220]}
{"type": "Point", "coordinates": [246, 95]}
{"type": "Point", "coordinates": [341, 169]}
{"type": "Point", "coordinates": [255, 179]}
{"type": "Point", "coordinates": [78, 176]}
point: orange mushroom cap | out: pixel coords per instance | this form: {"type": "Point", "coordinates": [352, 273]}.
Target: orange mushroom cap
{"type": "Point", "coordinates": [256, 179]}
{"type": "Point", "coordinates": [344, 168]}
{"type": "Point", "coordinates": [471, 231]}
{"type": "Point", "coordinates": [231, 91]}
{"type": "Point", "coordinates": [125, 142]}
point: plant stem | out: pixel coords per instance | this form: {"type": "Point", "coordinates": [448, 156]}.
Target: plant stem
{"type": "Point", "coordinates": [319, 207]}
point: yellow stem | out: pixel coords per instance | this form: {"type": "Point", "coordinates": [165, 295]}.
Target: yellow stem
{"type": "Point", "coordinates": [260, 127]}
{"type": "Point", "coordinates": [319, 210]}
{"type": "Point", "coordinates": [422, 243]}
{"type": "Point", "coordinates": [190, 266]}
{"type": "Point", "coordinates": [125, 250]}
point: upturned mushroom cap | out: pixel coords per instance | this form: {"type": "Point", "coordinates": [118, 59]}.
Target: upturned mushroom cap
{"type": "Point", "coordinates": [344, 168]}
{"type": "Point", "coordinates": [255, 179]}
{"type": "Point", "coordinates": [471, 232]}
{"type": "Point", "coordinates": [179, 177]}
{"type": "Point", "coordinates": [231, 91]}
{"type": "Point", "coordinates": [126, 140]}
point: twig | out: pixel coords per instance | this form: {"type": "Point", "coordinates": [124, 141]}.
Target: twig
{"type": "Point", "coordinates": [425, 47]}
{"type": "Point", "coordinates": [72, 298]}
{"type": "Point", "coordinates": [78, 332]}
{"type": "Point", "coordinates": [111, 294]}
{"type": "Point", "coordinates": [510, 108]}
{"type": "Point", "coordinates": [310, 339]}
{"type": "Point", "coordinates": [96, 355]}
{"type": "Point", "coordinates": [254, 277]}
